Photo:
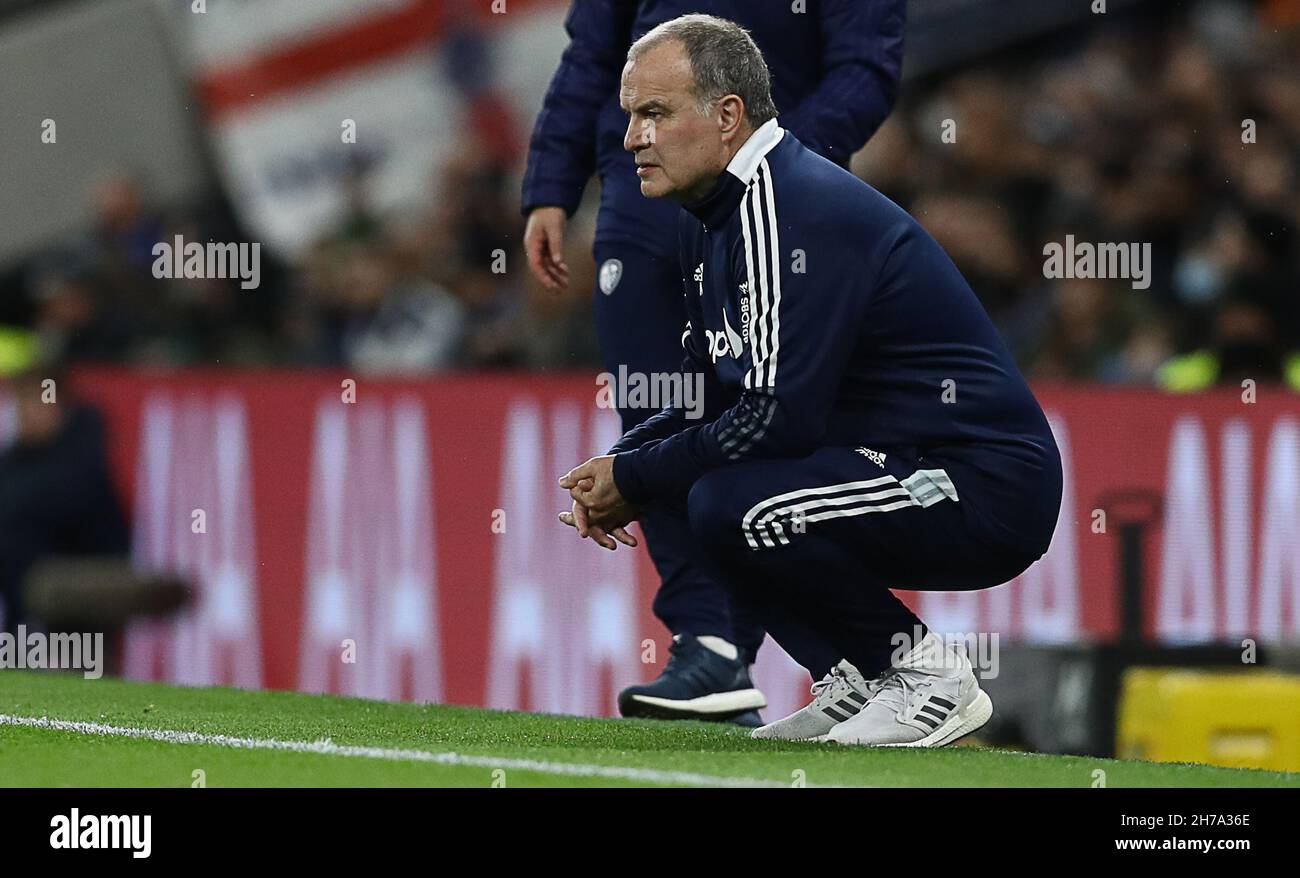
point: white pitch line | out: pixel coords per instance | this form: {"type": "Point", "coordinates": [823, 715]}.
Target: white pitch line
{"type": "Point", "coordinates": [327, 747]}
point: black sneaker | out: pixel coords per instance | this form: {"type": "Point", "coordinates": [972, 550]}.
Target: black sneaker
{"type": "Point", "coordinates": [697, 683]}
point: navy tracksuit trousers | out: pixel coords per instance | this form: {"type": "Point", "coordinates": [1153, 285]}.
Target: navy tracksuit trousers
{"type": "Point", "coordinates": [812, 547]}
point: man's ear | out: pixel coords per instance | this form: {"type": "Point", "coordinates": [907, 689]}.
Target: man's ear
{"type": "Point", "coordinates": [731, 116]}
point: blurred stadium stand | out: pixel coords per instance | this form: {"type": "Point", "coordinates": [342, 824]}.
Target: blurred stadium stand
{"type": "Point", "coordinates": [943, 34]}
{"type": "Point", "coordinates": [380, 254]}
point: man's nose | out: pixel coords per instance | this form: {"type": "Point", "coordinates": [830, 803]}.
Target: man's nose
{"type": "Point", "coordinates": [637, 136]}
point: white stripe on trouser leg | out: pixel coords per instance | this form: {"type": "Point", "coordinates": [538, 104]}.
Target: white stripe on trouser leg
{"type": "Point", "coordinates": [798, 511]}
{"type": "Point", "coordinates": [746, 523]}
{"type": "Point", "coordinates": [841, 513]}
{"type": "Point", "coordinates": [818, 492]}
{"type": "Point", "coordinates": [763, 522]}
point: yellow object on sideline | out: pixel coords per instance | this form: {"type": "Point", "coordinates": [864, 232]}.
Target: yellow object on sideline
{"type": "Point", "coordinates": [1239, 719]}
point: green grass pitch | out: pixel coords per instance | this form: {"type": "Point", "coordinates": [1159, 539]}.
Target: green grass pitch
{"type": "Point", "coordinates": [62, 730]}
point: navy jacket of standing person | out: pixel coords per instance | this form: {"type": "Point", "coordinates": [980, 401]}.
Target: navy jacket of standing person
{"type": "Point", "coordinates": [835, 71]}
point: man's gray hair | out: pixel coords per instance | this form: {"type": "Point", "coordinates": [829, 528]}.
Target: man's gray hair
{"type": "Point", "coordinates": [724, 59]}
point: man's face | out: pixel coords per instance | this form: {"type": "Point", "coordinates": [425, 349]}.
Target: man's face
{"type": "Point", "coordinates": [679, 152]}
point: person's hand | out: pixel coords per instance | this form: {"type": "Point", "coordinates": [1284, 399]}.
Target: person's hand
{"type": "Point", "coordinates": [544, 244]}
{"type": "Point", "coordinates": [577, 518]}
{"type": "Point", "coordinates": [599, 510]}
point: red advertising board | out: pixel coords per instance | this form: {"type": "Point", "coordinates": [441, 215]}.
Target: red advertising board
{"type": "Point", "coordinates": [398, 539]}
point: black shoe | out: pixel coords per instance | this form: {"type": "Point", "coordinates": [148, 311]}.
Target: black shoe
{"type": "Point", "coordinates": [697, 683]}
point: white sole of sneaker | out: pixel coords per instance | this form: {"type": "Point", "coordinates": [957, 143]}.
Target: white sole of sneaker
{"type": "Point", "coordinates": [959, 725]}
{"type": "Point", "coordinates": [738, 701]}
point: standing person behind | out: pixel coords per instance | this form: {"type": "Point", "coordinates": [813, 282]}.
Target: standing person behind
{"type": "Point", "coordinates": [835, 70]}
{"type": "Point", "coordinates": [56, 494]}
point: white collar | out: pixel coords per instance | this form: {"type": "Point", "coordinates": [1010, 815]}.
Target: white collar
{"type": "Point", "coordinates": [744, 164]}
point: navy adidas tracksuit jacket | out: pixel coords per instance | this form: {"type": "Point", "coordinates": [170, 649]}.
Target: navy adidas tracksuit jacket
{"type": "Point", "coordinates": [824, 315]}
{"type": "Point", "coordinates": [835, 70]}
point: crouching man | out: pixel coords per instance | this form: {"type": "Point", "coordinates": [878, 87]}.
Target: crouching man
{"type": "Point", "coordinates": [866, 429]}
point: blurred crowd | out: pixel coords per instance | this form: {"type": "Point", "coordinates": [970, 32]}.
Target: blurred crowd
{"type": "Point", "coordinates": [445, 288]}
{"type": "Point", "coordinates": [1125, 133]}
{"type": "Point", "coordinates": [1186, 137]}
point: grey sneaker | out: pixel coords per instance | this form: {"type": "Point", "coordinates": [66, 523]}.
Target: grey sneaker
{"type": "Point", "coordinates": [929, 699]}
{"type": "Point", "coordinates": [836, 697]}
